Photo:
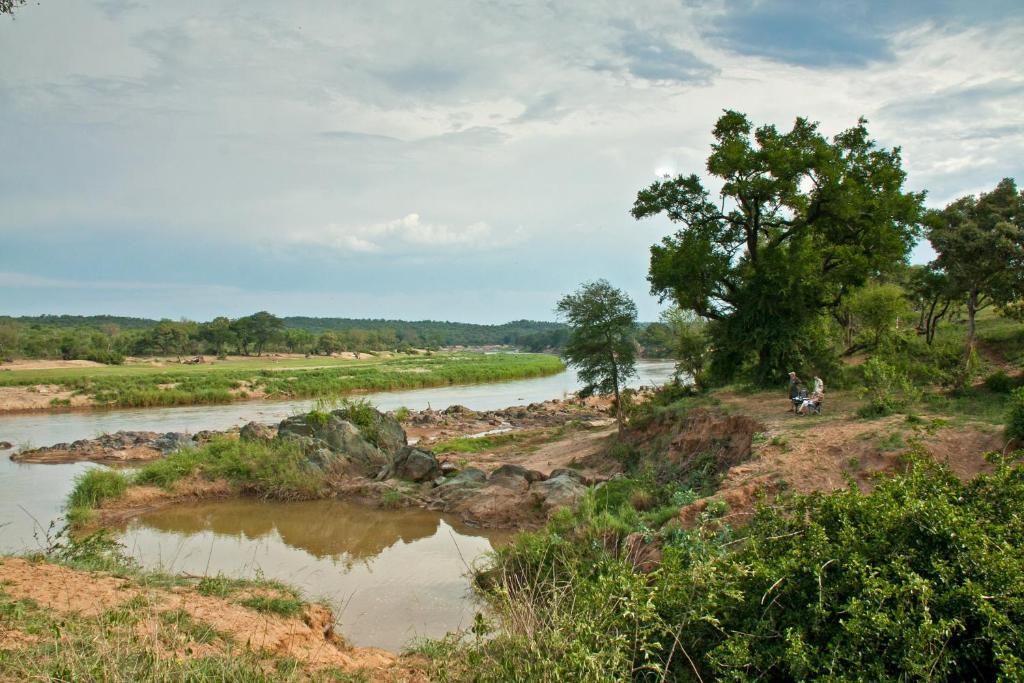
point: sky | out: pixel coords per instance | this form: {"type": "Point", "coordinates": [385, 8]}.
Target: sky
{"type": "Point", "coordinates": [457, 160]}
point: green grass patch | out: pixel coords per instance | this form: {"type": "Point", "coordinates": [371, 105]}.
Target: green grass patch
{"type": "Point", "coordinates": [482, 444]}
{"type": "Point", "coordinates": [143, 385]}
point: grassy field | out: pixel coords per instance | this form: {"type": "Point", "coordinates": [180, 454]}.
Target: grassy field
{"type": "Point", "coordinates": [144, 385]}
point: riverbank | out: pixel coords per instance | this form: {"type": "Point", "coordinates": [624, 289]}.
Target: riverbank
{"type": "Point", "coordinates": [84, 612]}
{"type": "Point", "coordinates": [149, 384]}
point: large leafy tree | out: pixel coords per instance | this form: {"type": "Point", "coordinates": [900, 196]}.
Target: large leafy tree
{"type": "Point", "coordinates": [799, 221]}
{"type": "Point", "coordinates": [602, 345]}
{"type": "Point", "coordinates": [980, 247]}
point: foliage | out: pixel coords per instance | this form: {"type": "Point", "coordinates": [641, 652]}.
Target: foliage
{"type": "Point", "coordinates": [1015, 416]}
{"type": "Point", "coordinates": [886, 388]}
{"type": "Point", "coordinates": [802, 220]}
{"type": "Point", "coordinates": [91, 488]}
{"type": "Point", "coordinates": [276, 469]}
{"type": "Point", "coordinates": [980, 247]}
{"type": "Point", "coordinates": [931, 294]}
{"type": "Point", "coordinates": [999, 382]}
{"type": "Point", "coordinates": [876, 308]}
{"type": "Point", "coordinates": [922, 579]}
{"type": "Point", "coordinates": [691, 347]}
{"type": "Point", "coordinates": [601, 346]}
{"type": "Point", "coordinates": [274, 604]}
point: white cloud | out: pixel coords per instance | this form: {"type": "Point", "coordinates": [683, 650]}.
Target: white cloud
{"type": "Point", "coordinates": [405, 234]}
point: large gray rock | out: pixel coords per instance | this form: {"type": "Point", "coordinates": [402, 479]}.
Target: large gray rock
{"type": "Point", "coordinates": [254, 431]}
{"type": "Point", "coordinates": [414, 464]}
{"type": "Point", "coordinates": [173, 441]}
{"type": "Point", "coordinates": [564, 490]}
{"type": "Point", "coordinates": [329, 432]}
{"type": "Point", "coordinates": [509, 471]}
{"type": "Point", "coordinates": [382, 430]}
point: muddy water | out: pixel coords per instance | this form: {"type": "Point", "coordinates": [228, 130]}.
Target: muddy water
{"type": "Point", "coordinates": [389, 575]}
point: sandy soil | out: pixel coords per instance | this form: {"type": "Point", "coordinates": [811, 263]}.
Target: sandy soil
{"type": "Point", "coordinates": [40, 397]}
{"type": "Point", "coordinates": [139, 500]}
{"type": "Point", "coordinates": [309, 639]}
{"type": "Point", "coordinates": [48, 364]}
{"type": "Point", "coordinates": [806, 454]}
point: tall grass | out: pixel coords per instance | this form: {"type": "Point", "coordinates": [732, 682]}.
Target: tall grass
{"type": "Point", "coordinates": [92, 487]}
{"type": "Point", "coordinates": [147, 386]}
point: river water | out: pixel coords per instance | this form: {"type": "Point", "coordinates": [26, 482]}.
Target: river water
{"type": "Point", "coordinates": [389, 575]}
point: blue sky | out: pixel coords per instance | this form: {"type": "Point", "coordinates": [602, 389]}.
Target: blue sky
{"type": "Point", "coordinates": [454, 160]}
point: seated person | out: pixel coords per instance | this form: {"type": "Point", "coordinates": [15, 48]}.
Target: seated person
{"type": "Point", "coordinates": [816, 397]}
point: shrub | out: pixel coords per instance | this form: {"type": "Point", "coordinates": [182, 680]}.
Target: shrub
{"type": "Point", "coordinates": [921, 579]}
{"type": "Point", "coordinates": [1015, 416]}
{"type": "Point", "coordinates": [887, 389]}
{"type": "Point", "coordinates": [999, 382]}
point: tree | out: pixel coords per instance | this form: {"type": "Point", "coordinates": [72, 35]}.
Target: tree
{"type": "Point", "coordinates": [692, 347]}
{"type": "Point", "coordinates": [931, 295]}
{"type": "Point", "coordinates": [800, 221]}
{"type": "Point", "coordinates": [8, 6]}
{"type": "Point", "coordinates": [217, 333]}
{"type": "Point", "coordinates": [328, 343]}
{"type": "Point", "coordinates": [876, 309]}
{"type": "Point", "coordinates": [601, 346]}
{"type": "Point", "coordinates": [9, 339]}
{"type": "Point", "coordinates": [169, 337]}
{"type": "Point", "coordinates": [980, 247]}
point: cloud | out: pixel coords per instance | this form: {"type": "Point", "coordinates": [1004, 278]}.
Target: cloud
{"type": "Point", "coordinates": [403, 235]}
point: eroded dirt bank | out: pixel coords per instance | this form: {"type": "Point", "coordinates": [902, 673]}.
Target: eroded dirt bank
{"type": "Point", "coordinates": [224, 623]}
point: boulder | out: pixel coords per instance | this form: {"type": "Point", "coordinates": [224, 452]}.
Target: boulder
{"type": "Point", "coordinates": [567, 472]}
{"type": "Point", "coordinates": [173, 441]}
{"type": "Point", "coordinates": [5, 445]}
{"type": "Point", "coordinates": [414, 464]}
{"type": "Point", "coordinates": [515, 471]}
{"type": "Point", "coordinates": [381, 429]}
{"type": "Point", "coordinates": [557, 492]}
{"type": "Point", "coordinates": [323, 438]}
{"type": "Point", "coordinates": [448, 468]}
{"type": "Point", "coordinates": [254, 431]}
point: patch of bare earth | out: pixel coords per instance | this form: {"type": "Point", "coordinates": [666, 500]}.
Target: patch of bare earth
{"type": "Point", "coordinates": [44, 364]}
{"type": "Point", "coordinates": [40, 397]}
{"type": "Point", "coordinates": [139, 500]}
{"type": "Point", "coordinates": [310, 638]}
{"type": "Point", "coordinates": [808, 454]}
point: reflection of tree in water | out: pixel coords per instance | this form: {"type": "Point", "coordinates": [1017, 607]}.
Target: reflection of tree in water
{"type": "Point", "coordinates": [332, 529]}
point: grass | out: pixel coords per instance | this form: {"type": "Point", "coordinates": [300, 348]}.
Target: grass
{"type": "Point", "coordinates": [274, 604]}
{"type": "Point", "coordinates": [483, 444]}
{"type": "Point", "coordinates": [271, 470]}
{"type": "Point", "coordinates": [143, 385]}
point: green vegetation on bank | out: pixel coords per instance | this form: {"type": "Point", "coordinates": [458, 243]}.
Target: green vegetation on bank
{"type": "Point", "coordinates": [922, 579]}
{"type": "Point", "coordinates": [146, 385]}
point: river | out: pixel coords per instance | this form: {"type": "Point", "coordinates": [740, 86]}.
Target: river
{"type": "Point", "coordinates": [389, 575]}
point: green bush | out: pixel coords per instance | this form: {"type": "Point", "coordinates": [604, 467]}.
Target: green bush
{"type": "Point", "coordinates": [886, 389]}
{"type": "Point", "coordinates": [1015, 416]}
{"type": "Point", "coordinates": [922, 579]}
{"type": "Point", "coordinates": [999, 382]}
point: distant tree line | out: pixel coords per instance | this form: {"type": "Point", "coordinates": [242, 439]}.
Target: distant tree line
{"type": "Point", "coordinates": [109, 339]}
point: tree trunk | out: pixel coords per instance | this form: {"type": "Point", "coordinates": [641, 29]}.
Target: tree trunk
{"type": "Point", "coordinates": [972, 308]}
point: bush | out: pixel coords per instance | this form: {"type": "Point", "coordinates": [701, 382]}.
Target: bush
{"type": "Point", "coordinates": [999, 382]}
{"type": "Point", "coordinates": [922, 579]}
{"type": "Point", "coordinates": [887, 389]}
{"type": "Point", "coordinates": [1015, 416]}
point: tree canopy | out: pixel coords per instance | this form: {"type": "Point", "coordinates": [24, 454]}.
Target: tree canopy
{"type": "Point", "coordinates": [980, 247]}
{"type": "Point", "coordinates": [798, 223]}
{"type": "Point", "coordinates": [602, 345]}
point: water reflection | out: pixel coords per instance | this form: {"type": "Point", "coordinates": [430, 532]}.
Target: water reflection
{"type": "Point", "coordinates": [390, 575]}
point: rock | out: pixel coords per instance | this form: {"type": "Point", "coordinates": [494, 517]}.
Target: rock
{"type": "Point", "coordinates": [325, 438]}
{"type": "Point", "coordinates": [5, 445]}
{"type": "Point", "coordinates": [457, 410]}
{"type": "Point", "coordinates": [414, 464]}
{"type": "Point", "coordinates": [448, 468]}
{"type": "Point", "coordinates": [567, 472]}
{"type": "Point", "coordinates": [382, 430]}
{"type": "Point", "coordinates": [464, 484]}
{"type": "Point", "coordinates": [173, 441]}
{"type": "Point", "coordinates": [513, 471]}
{"type": "Point", "coordinates": [254, 431]}
{"type": "Point", "coordinates": [557, 492]}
